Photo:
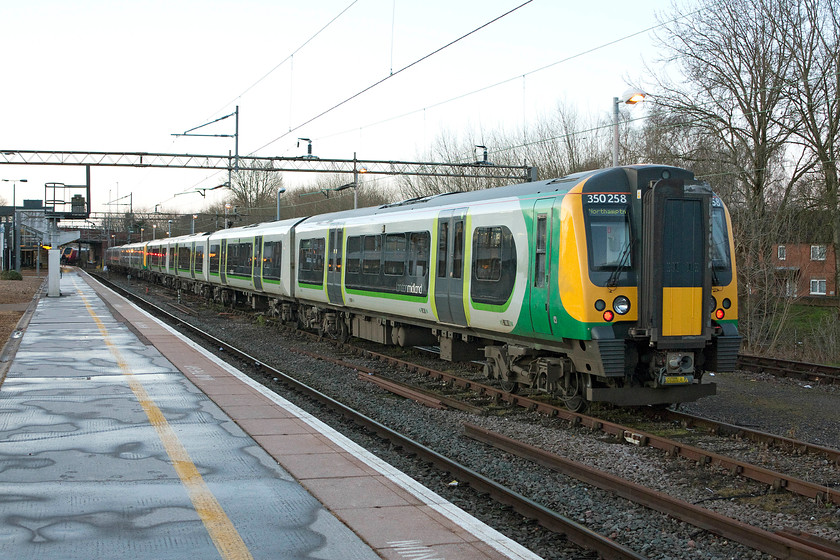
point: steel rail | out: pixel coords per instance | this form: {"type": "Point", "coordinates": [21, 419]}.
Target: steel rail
{"type": "Point", "coordinates": [775, 480]}
{"type": "Point", "coordinates": [673, 448]}
{"type": "Point", "coordinates": [575, 532]}
{"type": "Point", "coordinates": [722, 428]}
{"type": "Point", "coordinates": [779, 546]}
{"type": "Point", "coordinates": [816, 373]}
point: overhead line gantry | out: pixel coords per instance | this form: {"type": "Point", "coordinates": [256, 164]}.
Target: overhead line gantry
{"type": "Point", "coordinates": [477, 170]}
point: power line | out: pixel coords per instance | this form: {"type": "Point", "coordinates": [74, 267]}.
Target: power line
{"type": "Point", "coordinates": [370, 87]}
{"type": "Point", "coordinates": [289, 57]}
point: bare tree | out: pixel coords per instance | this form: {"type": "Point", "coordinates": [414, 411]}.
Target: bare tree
{"type": "Point", "coordinates": [812, 34]}
{"type": "Point", "coordinates": [254, 193]}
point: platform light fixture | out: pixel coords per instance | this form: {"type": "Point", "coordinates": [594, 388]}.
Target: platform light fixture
{"type": "Point", "coordinates": [630, 97]}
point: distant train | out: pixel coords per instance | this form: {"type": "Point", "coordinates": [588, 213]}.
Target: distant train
{"type": "Point", "coordinates": [616, 285]}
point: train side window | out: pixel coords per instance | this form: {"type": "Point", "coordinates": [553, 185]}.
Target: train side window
{"type": "Point", "coordinates": [170, 260]}
{"type": "Point", "coordinates": [272, 253]}
{"type": "Point", "coordinates": [354, 254]}
{"type": "Point", "coordinates": [487, 251]}
{"type": "Point", "coordinates": [214, 259]}
{"type": "Point", "coordinates": [198, 261]}
{"type": "Point", "coordinates": [458, 250]}
{"type": "Point", "coordinates": [239, 258]}
{"type": "Point", "coordinates": [493, 266]}
{"type": "Point", "coordinates": [443, 245]}
{"type": "Point", "coordinates": [372, 254]}
{"type": "Point", "coordinates": [418, 254]}
{"type": "Point", "coordinates": [395, 254]}
{"type": "Point", "coordinates": [311, 260]}
{"type": "Point", "coordinates": [540, 251]}
{"type": "Point", "coordinates": [184, 258]}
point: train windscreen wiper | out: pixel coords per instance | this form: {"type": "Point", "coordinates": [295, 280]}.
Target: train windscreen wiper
{"type": "Point", "coordinates": [622, 262]}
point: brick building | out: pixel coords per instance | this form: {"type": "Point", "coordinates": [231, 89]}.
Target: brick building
{"type": "Point", "coordinates": [805, 269]}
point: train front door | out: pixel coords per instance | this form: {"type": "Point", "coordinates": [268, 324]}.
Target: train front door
{"type": "Point", "coordinates": [449, 281]}
{"type": "Point", "coordinates": [541, 262]}
{"type": "Point", "coordinates": [336, 248]}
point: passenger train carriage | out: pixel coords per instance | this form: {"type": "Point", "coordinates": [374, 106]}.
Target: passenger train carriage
{"type": "Point", "coordinates": [616, 285]}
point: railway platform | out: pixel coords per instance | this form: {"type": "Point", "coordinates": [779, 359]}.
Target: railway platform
{"type": "Point", "coordinates": [121, 438]}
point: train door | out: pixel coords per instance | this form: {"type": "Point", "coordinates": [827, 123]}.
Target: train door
{"type": "Point", "coordinates": [541, 259]}
{"type": "Point", "coordinates": [191, 264]}
{"type": "Point", "coordinates": [223, 262]}
{"type": "Point", "coordinates": [676, 285]}
{"type": "Point", "coordinates": [336, 249]}
{"type": "Point", "coordinates": [449, 284]}
{"type": "Point", "coordinates": [256, 268]}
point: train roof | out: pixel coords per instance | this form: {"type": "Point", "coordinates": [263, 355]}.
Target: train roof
{"type": "Point", "coordinates": [596, 180]}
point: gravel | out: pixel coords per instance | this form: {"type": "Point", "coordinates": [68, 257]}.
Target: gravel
{"type": "Point", "coordinates": [761, 402]}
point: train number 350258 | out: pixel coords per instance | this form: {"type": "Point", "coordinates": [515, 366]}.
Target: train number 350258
{"type": "Point", "coordinates": [606, 198]}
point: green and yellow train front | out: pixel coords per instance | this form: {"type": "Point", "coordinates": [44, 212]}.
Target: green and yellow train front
{"type": "Point", "coordinates": [645, 291]}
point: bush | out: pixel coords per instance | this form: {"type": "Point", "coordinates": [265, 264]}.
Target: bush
{"type": "Point", "coordinates": [10, 275]}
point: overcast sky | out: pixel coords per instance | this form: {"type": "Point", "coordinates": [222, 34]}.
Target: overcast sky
{"type": "Point", "coordinates": [123, 76]}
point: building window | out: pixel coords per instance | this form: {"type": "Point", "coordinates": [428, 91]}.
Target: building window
{"type": "Point", "coordinates": [782, 252]}
{"type": "Point", "coordinates": [817, 287]}
{"type": "Point", "coordinates": [817, 252]}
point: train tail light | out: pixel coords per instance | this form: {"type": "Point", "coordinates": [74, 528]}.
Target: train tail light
{"type": "Point", "coordinates": [608, 315]}
{"type": "Point", "coordinates": [720, 314]}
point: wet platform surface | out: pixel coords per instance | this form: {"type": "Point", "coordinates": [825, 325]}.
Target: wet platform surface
{"type": "Point", "coordinates": [120, 438]}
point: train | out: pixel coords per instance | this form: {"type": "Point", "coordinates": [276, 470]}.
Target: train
{"type": "Point", "coordinates": [615, 285]}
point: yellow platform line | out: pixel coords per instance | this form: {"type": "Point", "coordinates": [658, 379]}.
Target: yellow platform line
{"type": "Point", "coordinates": [224, 535]}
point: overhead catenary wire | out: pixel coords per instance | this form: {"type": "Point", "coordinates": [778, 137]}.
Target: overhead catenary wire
{"type": "Point", "coordinates": [391, 75]}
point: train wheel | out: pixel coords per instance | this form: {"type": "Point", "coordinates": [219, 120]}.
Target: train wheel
{"type": "Point", "coordinates": [573, 397]}
{"type": "Point", "coordinates": [510, 386]}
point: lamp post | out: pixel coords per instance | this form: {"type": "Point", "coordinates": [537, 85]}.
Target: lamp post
{"type": "Point", "coordinates": [154, 232]}
{"type": "Point", "coordinates": [227, 207]}
{"type": "Point", "coordinates": [192, 225]}
{"type": "Point", "coordinates": [280, 191]}
{"type": "Point", "coordinates": [141, 234]}
{"type": "Point", "coordinates": [14, 223]}
{"type": "Point", "coordinates": [630, 97]}
{"type": "Point", "coordinates": [169, 228]}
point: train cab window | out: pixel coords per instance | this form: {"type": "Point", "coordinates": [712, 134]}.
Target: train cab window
{"type": "Point", "coordinates": [540, 251]}
{"type": "Point", "coordinates": [372, 254]}
{"type": "Point", "coordinates": [458, 250]}
{"type": "Point", "coordinates": [608, 237]}
{"type": "Point", "coordinates": [198, 260]}
{"type": "Point", "coordinates": [721, 266]}
{"type": "Point", "coordinates": [443, 245]}
{"type": "Point", "coordinates": [493, 266]}
{"type": "Point", "coordinates": [184, 254]}
{"type": "Point", "coordinates": [311, 261]}
{"type": "Point", "coordinates": [214, 259]}
{"type": "Point", "coordinates": [272, 252]}
{"type": "Point", "coordinates": [395, 254]}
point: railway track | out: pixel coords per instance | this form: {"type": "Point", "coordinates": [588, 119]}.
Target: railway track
{"type": "Point", "coordinates": [815, 373]}
{"type": "Point", "coordinates": [575, 532]}
{"type": "Point", "coordinates": [782, 546]}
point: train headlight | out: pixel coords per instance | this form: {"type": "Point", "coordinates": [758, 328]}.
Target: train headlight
{"type": "Point", "coordinates": [600, 305]}
{"type": "Point", "coordinates": [621, 305]}
{"type": "Point", "coordinates": [726, 303]}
